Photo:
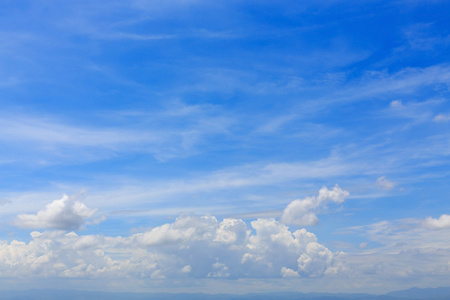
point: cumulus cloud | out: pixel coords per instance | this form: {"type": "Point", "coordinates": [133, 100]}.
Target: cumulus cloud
{"type": "Point", "coordinates": [67, 213]}
{"type": "Point", "coordinates": [303, 212]}
{"type": "Point", "coordinates": [384, 184]}
{"type": "Point", "coordinates": [191, 246]}
{"type": "Point", "coordinates": [442, 222]}
{"type": "Point", "coordinates": [286, 272]}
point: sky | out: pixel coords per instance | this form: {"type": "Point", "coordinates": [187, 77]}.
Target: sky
{"type": "Point", "coordinates": [224, 146]}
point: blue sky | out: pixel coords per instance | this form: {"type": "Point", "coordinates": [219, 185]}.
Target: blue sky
{"type": "Point", "coordinates": [218, 146]}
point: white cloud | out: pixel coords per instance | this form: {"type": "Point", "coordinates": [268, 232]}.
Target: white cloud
{"type": "Point", "coordinates": [198, 247]}
{"type": "Point", "coordinates": [416, 111]}
{"type": "Point", "coordinates": [186, 269]}
{"type": "Point", "coordinates": [384, 184]}
{"type": "Point", "coordinates": [406, 81]}
{"type": "Point", "coordinates": [442, 222]}
{"type": "Point", "coordinates": [142, 197]}
{"type": "Point", "coordinates": [66, 213]}
{"type": "Point", "coordinates": [303, 212]}
{"type": "Point", "coordinates": [286, 272]}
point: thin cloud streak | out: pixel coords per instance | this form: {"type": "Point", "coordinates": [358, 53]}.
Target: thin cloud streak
{"type": "Point", "coordinates": [53, 136]}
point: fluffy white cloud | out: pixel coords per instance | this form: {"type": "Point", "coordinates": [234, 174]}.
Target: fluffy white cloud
{"type": "Point", "coordinates": [66, 213]}
{"type": "Point", "coordinates": [303, 212]}
{"type": "Point", "coordinates": [442, 222]}
{"type": "Point", "coordinates": [384, 184]}
{"type": "Point", "coordinates": [198, 247]}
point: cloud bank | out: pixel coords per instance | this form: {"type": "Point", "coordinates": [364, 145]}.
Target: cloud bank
{"type": "Point", "coordinates": [203, 247]}
{"type": "Point", "coordinates": [192, 246]}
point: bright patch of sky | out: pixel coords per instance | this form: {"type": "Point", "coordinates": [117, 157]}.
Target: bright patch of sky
{"type": "Point", "coordinates": [218, 146]}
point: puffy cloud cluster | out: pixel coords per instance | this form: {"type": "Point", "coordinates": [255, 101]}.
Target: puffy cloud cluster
{"type": "Point", "coordinates": [303, 212]}
{"type": "Point", "coordinates": [195, 248]}
{"type": "Point", "coordinates": [67, 213]}
{"type": "Point", "coordinates": [192, 246]}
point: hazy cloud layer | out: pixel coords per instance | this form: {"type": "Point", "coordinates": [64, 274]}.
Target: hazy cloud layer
{"type": "Point", "coordinates": [400, 249]}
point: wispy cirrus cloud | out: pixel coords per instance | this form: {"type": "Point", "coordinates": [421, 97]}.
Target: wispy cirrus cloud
{"type": "Point", "coordinates": [442, 118]}
{"type": "Point", "coordinates": [406, 234]}
{"type": "Point", "coordinates": [184, 128]}
{"type": "Point", "coordinates": [398, 249]}
{"type": "Point", "coordinates": [403, 82]}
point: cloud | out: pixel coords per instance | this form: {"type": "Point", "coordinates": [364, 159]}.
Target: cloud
{"type": "Point", "coordinates": [173, 131]}
{"type": "Point", "coordinates": [417, 112]}
{"type": "Point", "coordinates": [276, 123]}
{"type": "Point", "coordinates": [442, 222]}
{"type": "Point", "coordinates": [384, 184]}
{"type": "Point", "coordinates": [201, 247]}
{"type": "Point", "coordinates": [303, 212]}
{"type": "Point", "coordinates": [406, 234]}
{"type": "Point", "coordinates": [191, 246]}
{"type": "Point", "coordinates": [396, 104]}
{"type": "Point", "coordinates": [442, 118]}
{"type": "Point", "coordinates": [407, 249]}
{"type": "Point", "coordinates": [391, 269]}
{"type": "Point", "coordinates": [286, 272]}
{"type": "Point", "coordinates": [66, 213]}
